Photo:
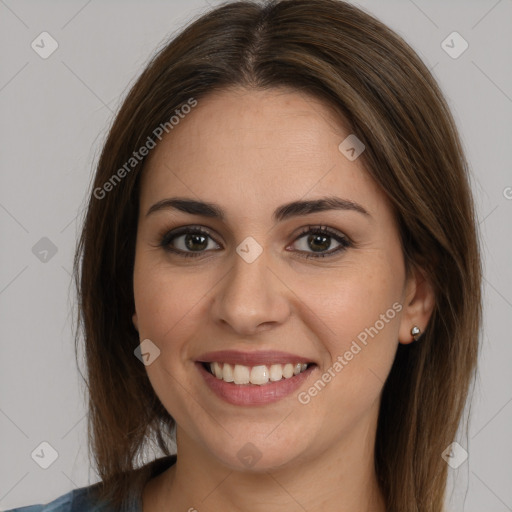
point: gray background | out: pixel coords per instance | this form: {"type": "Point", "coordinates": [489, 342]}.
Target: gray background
{"type": "Point", "coordinates": [54, 117]}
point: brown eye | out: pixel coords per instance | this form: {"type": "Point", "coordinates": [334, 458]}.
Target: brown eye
{"type": "Point", "coordinates": [187, 241]}
{"type": "Point", "coordinates": [319, 239]}
{"type": "Point", "coordinates": [196, 241]}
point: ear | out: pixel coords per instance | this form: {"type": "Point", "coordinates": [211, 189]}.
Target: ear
{"type": "Point", "coordinates": [135, 322]}
{"type": "Point", "coordinates": [418, 305]}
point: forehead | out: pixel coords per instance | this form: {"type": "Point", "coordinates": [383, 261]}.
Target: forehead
{"type": "Point", "coordinates": [256, 149]}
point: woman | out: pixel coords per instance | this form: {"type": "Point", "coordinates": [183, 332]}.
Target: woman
{"type": "Point", "coordinates": [279, 271]}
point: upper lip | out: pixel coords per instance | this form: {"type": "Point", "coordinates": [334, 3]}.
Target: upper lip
{"type": "Point", "coordinates": [262, 357]}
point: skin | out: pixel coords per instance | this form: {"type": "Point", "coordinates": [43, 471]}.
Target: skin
{"type": "Point", "coordinates": [250, 151]}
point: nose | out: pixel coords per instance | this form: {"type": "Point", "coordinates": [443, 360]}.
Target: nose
{"type": "Point", "coordinates": [251, 297]}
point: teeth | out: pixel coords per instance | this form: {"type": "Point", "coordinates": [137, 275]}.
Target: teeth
{"type": "Point", "coordinates": [227, 373]}
{"type": "Point", "coordinates": [260, 375]}
{"type": "Point", "coordinates": [288, 371]}
{"type": "Point", "coordinates": [241, 374]}
{"type": "Point", "coordinates": [217, 370]}
{"type": "Point", "coordinates": [276, 372]}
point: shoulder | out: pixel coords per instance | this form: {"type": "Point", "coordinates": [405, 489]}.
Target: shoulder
{"type": "Point", "coordinates": [77, 500]}
{"type": "Point", "coordinates": [83, 499]}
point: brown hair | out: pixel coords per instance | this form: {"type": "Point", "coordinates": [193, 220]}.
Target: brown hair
{"type": "Point", "coordinates": [386, 95]}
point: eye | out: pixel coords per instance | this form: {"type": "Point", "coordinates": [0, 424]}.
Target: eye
{"type": "Point", "coordinates": [193, 238]}
{"type": "Point", "coordinates": [319, 238]}
{"type": "Point", "coordinates": [193, 241]}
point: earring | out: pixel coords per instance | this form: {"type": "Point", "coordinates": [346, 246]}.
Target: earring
{"type": "Point", "coordinates": [415, 332]}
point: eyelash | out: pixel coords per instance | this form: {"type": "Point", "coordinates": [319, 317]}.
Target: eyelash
{"type": "Point", "coordinates": [197, 230]}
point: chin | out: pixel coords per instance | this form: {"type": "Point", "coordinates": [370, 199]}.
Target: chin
{"type": "Point", "coordinates": [259, 452]}
{"type": "Point", "coordinates": [251, 459]}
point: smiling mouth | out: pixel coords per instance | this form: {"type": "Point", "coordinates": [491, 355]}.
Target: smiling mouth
{"type": "Point", "coordinates": [259, 374]}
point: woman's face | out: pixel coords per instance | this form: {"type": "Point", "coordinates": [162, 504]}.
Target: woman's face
{"type": "Point", "coordinates": [249, 289]}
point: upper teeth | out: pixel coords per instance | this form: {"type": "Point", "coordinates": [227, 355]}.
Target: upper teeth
{"type": "Point", "coordinates": [240, 374]}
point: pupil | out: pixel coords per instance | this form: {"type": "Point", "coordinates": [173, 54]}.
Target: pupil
{"type": "Point", "coordinates": [323, 237]}
{"type": "Point", "coordinates": [191, 239]}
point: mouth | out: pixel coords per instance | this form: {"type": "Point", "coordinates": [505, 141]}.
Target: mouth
{"type": "Point", "coordinates": [259, 375]}
{"type": "Point", "coordinates": [253, 378]}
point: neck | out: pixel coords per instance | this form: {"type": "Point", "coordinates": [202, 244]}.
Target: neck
{"type": "Point", "coordinates": [341, 479]}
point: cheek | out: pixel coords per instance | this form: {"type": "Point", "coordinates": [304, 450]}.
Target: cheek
{"type": "Point", "coordinates": [366, 304]}
{"type": "Point", "coordinates": [171, 306]}
{"type": "Point", "coordinates": [353, 315]}
{"type": "Point", "coordinates": [356, 314]}
{"type": "Point", "coordinates": [353, 300]}
{"type": "Point", "coordinates": [166, 302]}
{"type": "Point", "coordinates": [161, 297]}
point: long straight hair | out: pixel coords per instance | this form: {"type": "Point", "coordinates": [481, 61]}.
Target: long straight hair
{"type": "Point", "coordinates": [338, 53]}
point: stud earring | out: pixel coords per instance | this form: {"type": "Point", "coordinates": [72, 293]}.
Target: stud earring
{"type": "Point", "coordinates": [415, 332]}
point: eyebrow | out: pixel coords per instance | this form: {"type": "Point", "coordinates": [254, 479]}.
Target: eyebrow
{"type": "Point", "coordinates": [283, 212]}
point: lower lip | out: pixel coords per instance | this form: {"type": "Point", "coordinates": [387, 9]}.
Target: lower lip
{"type": "Point", "coordinates": [252, 394]}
